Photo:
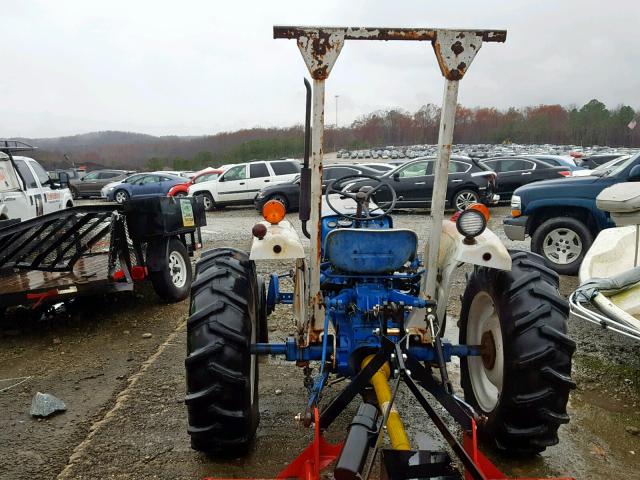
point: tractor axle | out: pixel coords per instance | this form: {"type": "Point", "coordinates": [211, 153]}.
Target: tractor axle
{"type": "Point", "coordinates": [424, 353]}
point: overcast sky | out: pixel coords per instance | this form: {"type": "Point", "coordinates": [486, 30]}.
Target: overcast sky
{"type": "Point", "coordinates": [200, 67]}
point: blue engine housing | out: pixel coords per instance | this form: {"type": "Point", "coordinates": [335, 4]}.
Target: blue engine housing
{"type": "Point", "coordinates": [362, 314]}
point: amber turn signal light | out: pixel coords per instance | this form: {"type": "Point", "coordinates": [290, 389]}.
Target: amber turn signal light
{"type": "Point", "coordinates": [273, 212]}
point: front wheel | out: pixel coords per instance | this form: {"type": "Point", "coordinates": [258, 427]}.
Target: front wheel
{"type": "Point", "coordinates": [563, 242]}
{"type": "Point", "coordinates": [207, 200]}
{"type": "Point", "coordinates": [173, 282]}
{"type": "Point", "coordinates": [464, 199]}
{"type": "Point", "coordinates": [222, 373]}
{"type": "Point", "coordinates": [521, 382]}
{"type": "Point", "coordinates": [121, 196]}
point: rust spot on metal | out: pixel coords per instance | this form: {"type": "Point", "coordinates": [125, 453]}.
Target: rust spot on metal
{"type": "Point", "coordinates": [383, 33]}
{"type": "Point", "coordinates": [462, 66]}
{"type": "Point", "coordinates": [457, 48]}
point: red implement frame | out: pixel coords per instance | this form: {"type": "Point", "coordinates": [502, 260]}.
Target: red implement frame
{"type": "Point", "coordinates": [319, 454]}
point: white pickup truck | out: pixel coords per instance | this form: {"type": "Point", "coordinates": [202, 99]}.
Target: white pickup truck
{"type": "Point", "coordinates": [26, 191]}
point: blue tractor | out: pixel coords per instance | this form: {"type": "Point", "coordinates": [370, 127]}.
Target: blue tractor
{"type": "Point", "coordinates": [369, 307]}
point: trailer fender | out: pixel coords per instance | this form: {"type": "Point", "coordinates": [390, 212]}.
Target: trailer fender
{"type": "Point", "coordinates": [157, 253]}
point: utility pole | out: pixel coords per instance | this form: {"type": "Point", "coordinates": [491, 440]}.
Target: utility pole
{"type": "Point", "coordinates": [336, 110]}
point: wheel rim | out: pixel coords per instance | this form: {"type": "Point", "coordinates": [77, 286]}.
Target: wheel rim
{"type": "Point", "coordinates": [121, 197]}
{"type": "Point", "coordinates": [177, 269]}
{"type": "Point", "coordinates": [485, 372]}
{"type": "Point", "coordinates": [465, 199]}
{"type": "Point", "coordinates": [206, 201]}
{"type": "Point", "coordinates": [562, 246]}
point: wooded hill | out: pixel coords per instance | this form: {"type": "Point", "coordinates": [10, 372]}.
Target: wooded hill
{"type": "Point", "coordinates": [591, 124]}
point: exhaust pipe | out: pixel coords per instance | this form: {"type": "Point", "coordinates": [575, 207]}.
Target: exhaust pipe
{"type": "Point", "coordinates": [304, 212]}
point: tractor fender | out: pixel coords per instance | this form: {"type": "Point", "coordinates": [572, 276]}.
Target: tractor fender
{"type": "Point", "coordinates": [280, 242]}
{"type": "Point", "coordinates": [487, 250]}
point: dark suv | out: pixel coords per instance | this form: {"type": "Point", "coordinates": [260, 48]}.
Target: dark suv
{"type": "Point", "coordinates": [91, 184]}
{"type": "Point", "coordinates": [469, 182]}
{"type": "Point", "coordinates": [561, 216]}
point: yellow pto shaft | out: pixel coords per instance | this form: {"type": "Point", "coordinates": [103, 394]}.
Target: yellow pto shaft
{"type": "Point", "coordinates": [395, 428]}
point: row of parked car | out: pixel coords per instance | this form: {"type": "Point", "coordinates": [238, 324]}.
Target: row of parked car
{"type": "Point", "coordinates": [553, 200]}
{"type": "Point", "coordinates": [586, 157]}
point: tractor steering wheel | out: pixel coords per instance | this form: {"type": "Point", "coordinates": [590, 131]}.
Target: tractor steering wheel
{"type": "Point", "coordinates": [361, 197]}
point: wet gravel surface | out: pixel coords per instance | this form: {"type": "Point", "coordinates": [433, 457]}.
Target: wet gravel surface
{"type": "Point", "coordinates": [125, 415]}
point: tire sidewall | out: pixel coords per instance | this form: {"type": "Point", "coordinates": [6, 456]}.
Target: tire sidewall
{"type": "Point", "coordinates": [206, 196]}
{"type": "Point", "coordinates": [118, 192]}
{"type": "Point", "coordinates": [454, 202]}
{"type": "Point", "coordinates": [568, 223]}
{"type": "Point", "coordinates": [506, 330]}
{"type": "Point", "coordinates": [162, 280]}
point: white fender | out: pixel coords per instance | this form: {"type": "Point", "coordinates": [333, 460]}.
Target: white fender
{"type": "Point", "coordinates": [486, 251]}
{"type": "Point", "coordinates": [280, 242]}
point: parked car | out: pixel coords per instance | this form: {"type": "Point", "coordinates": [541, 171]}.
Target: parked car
{"type": "Point", "coordinates": [289, 192]}
{"type": "Point", "coordinates": [469, 182]}
{"type": "Point", "coordinates": [27, 191]}
{"type": "Point", "coordinates": [558, 161]}
{"type": "Point", "coordinates": [143, 185]}
{"type": "Point", "coordinates": [182, 189]}
{"type": "Point", "coordinates": [561, 216]}
{"type": "Point", "coordinates": [513, 172]}
{"type": "Point", "coordinates": [593, 161]}
{"type": "Point", "coordinates": [240, 184]}
{"type": "Point", "coordinates": [380, 167]}
{"type": "Point", "coordinates": [602, 168]}
{"type": "Point", "coordinates": [91, 184]}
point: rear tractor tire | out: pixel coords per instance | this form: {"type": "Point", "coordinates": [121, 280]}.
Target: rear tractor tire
{"type": "Point", "coordinates": [522, 381]}
{"type": "Point", "coordinates": [222, 374]}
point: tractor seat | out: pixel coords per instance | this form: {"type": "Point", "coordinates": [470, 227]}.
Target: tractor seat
{"type": "Point", "coordinates": [370, 251]}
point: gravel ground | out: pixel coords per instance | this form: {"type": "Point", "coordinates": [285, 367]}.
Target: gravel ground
{"type": "Point", "coordinates": [125, 417]}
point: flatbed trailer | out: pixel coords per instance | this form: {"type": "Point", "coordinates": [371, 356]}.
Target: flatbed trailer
{"type": "Point", "coordinates": [100, 248]}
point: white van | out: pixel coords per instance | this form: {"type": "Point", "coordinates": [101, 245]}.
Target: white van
{"type": "Point", "coordinates": [240, 183]}
{"type": "Point", "coordinates": [26, 191]}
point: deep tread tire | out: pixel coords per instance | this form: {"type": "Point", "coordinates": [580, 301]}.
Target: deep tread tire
{"type": "Point", "coordinates": [162, 280]}
{"type": "Point", "coordinates": [223, 322]}
{"type": "Point", "coordinates": [537, 354]}
{"type": "Point", "coordinates": [568, 223]}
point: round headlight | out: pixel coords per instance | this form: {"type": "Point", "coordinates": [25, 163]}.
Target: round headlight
{"type": "Point", "coordinates": [471, 223]}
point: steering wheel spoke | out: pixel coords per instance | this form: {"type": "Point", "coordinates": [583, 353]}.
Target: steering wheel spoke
{"type": "Point", "coordinates": [362, 197]}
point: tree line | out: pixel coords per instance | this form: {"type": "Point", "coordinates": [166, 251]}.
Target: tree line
{"type": "Point", "coordinates": [590, 124]}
